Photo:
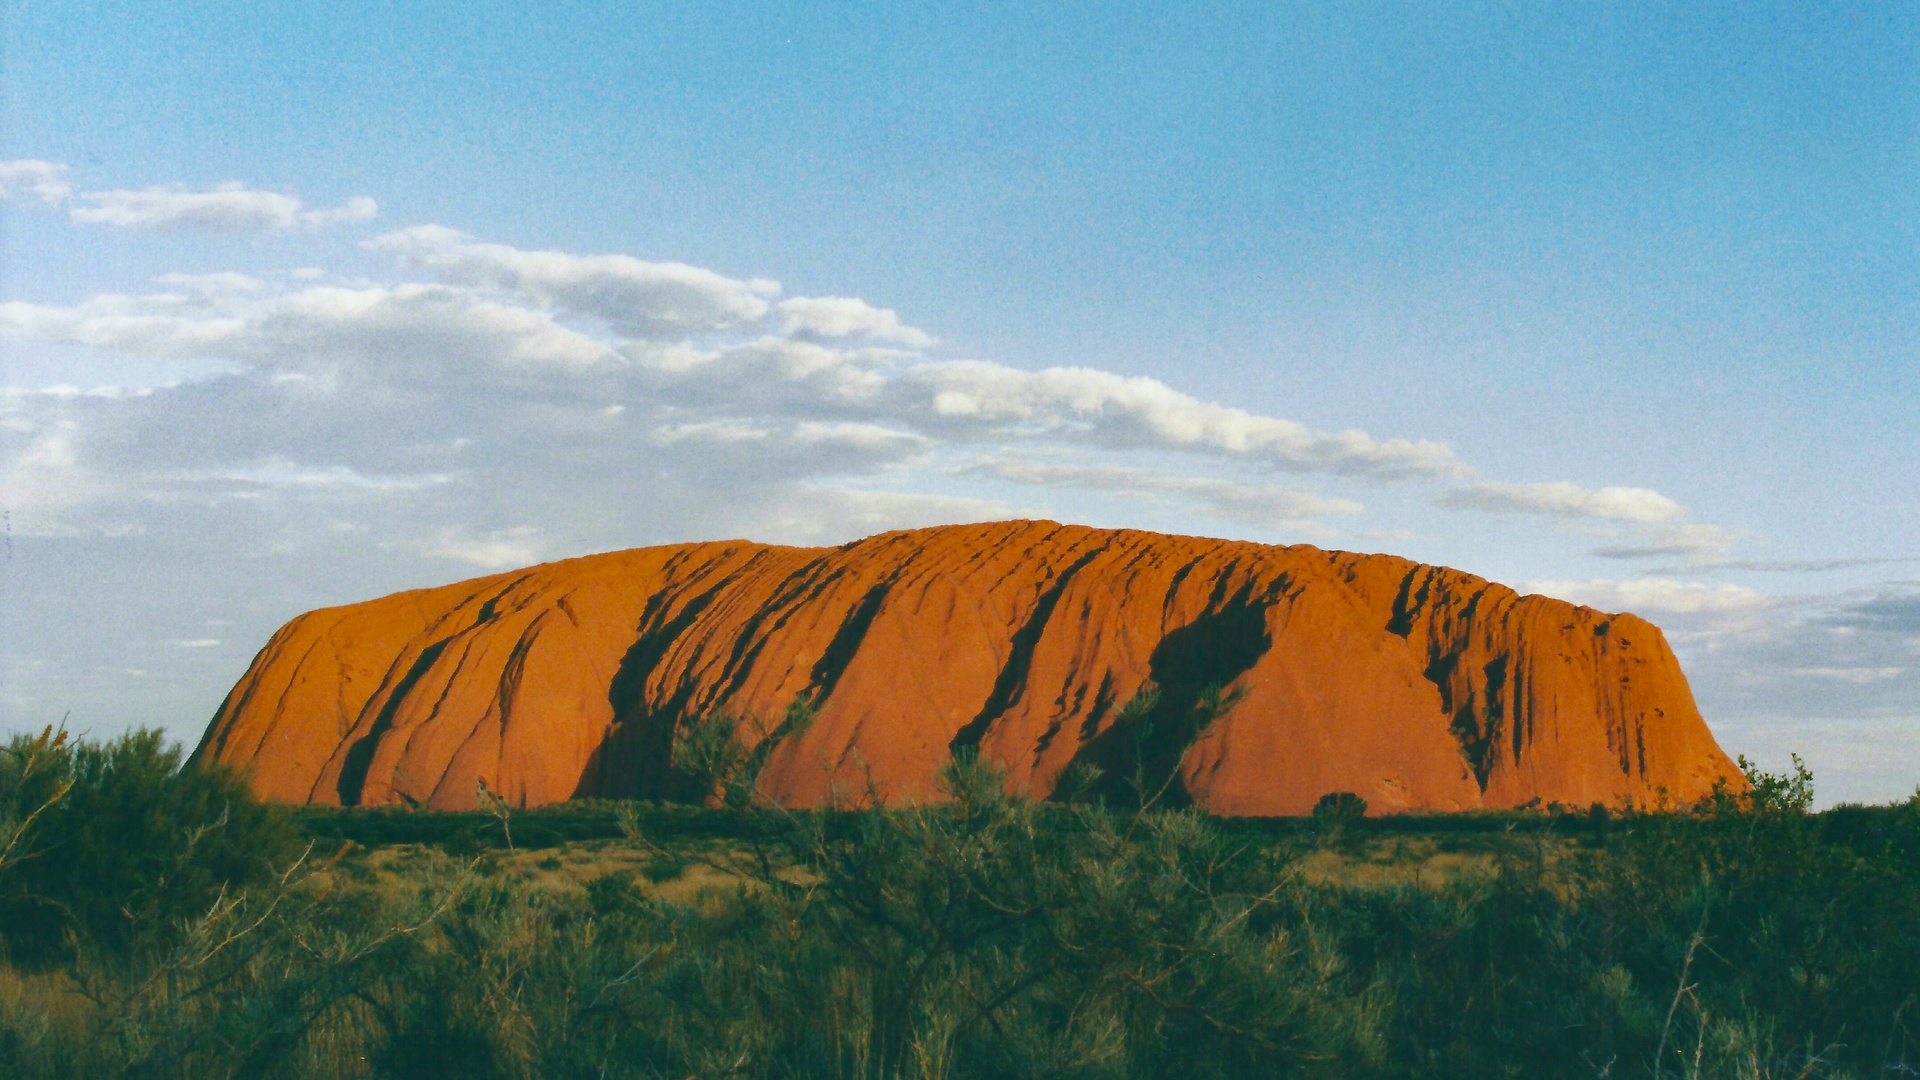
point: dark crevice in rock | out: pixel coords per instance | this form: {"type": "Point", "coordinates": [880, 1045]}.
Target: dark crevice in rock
{"type": "Point", "coordinates": [1405, 604]}
{"type": "Point", "coordinates": [1191, 672]}
{"type": "Point", "coordinates": [353, 771]}
{"type": "Point", "coordinates": [1013, 674]}
{"type": "Point", "coordinates": [839, 652]}
{"type": "Point", "coordinates": [632, 759]}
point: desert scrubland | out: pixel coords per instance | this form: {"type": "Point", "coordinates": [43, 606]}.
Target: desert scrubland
{"type": "Point", "coordinates": [160, 922]}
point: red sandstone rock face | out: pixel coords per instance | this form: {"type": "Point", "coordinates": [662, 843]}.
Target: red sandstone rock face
{"type": "Point", "coordinates": [1416, 687]}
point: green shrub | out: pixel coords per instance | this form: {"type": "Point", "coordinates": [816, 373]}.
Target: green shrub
{"type": "Point", "coordinates": [664, 867]}
{"type": "Point", "coordinates": [1339, 807]}
{"type": "Point", "coordinates": [464, 843]}
{"type": "Point", "coordinates": [534, 836]}
{"type": "Point", "coordinates": [136, 844]}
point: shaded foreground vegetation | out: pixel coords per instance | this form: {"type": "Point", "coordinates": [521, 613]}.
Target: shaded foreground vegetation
{"type": "Point", "coordinates": [159, 924]}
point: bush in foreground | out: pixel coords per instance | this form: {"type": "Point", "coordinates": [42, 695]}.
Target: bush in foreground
{"type": "Point", "coordinates": [114, 843]}
{"type": "Point", "coordinates": [986, 936]}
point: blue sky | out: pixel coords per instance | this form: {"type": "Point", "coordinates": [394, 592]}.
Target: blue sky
{"type": "Point", "coordinates": [302, 304]}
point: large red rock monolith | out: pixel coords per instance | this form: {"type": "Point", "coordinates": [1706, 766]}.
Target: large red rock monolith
{"type": "Point", "coordinates": [1416, 687]}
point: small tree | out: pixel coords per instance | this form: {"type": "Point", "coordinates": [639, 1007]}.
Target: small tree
{"type": "Point", "coordinates": [1337, 808]}
{"type": "Point", "coordinates": [1784, 793]}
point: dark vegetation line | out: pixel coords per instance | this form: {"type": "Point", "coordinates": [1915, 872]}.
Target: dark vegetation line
{"type": "Point", "coordinates": [157, 922]}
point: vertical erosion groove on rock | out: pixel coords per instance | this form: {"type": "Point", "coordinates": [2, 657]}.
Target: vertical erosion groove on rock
{"type": "Point", "coordinates": [1247, 679]}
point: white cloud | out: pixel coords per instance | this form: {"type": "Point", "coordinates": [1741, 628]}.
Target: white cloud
{"type": "Point", "coordinates": [843, 316]}
{"type": "Point", "coordinates": [498, 332]}
{"type": "Point", "coordinates": [1812, 566]}
{"type": "Point", "coordinates": [46, 470]}
{"type": "Point", "coordinates": [771, 373]}
{"type": "Point", "coordinates": [1654, 595]}
{"type": "Point", "coordinates": [1694, 542]}
{"type": "Point", "coordinates": [824, 513]}
{"type": "Point", "coordinates": [1249, 503]}
{"type": "Point", "coordinates": [1131, 411]}
{"type": "Point", "coordinates": [1856, 675]}
{"type": "Point", "coordinates": [28, 178]}
{"type": "Point", "coordinates": [228, 208]}
{"type": "Point", "coordinates": [282, 473]}
{"type": "Point", "coordinates": [148, 326]}
{"type": "Point", "coordinates": [1831, 676]}
{"type": "Point", "coordinates": [1653, 529]}
{"type": "Point", "coordinates": [40, 470]}
{"type": "Point", "coordinates": [500, 550]}
{"type": "Point", "coordinates": [643, 299]}
{"type": "Point", "coordinates": [888, 441]}
{"type": "Point", "coordinates": [1638, 505]}
{"type": "Point", "coordinates": [313, 327]}
{"type": "Point", "coordinates": [712, 431]}
{"type": "Point", "coordinates": [358, 208]}
{"type": "Point", "coordinates": [18, 395]}
{"type": "Point", "coordinates": [443, 328]}
{"type": "Point", "coordinates": [213, 285]}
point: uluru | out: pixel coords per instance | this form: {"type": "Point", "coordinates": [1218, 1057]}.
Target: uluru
{"type": "Point", "coordinates": [1259, 677]}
